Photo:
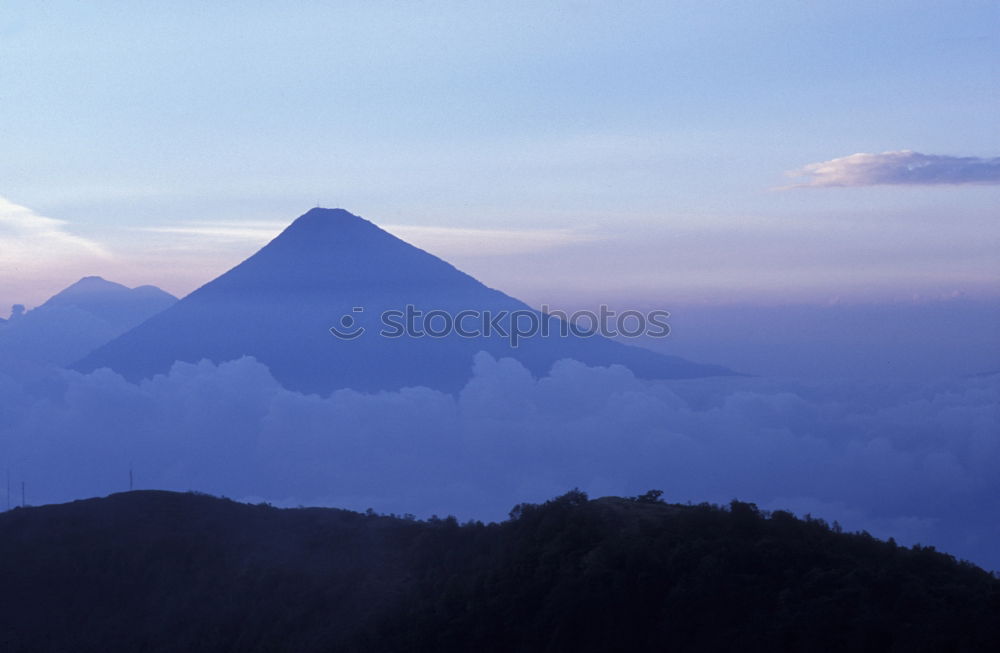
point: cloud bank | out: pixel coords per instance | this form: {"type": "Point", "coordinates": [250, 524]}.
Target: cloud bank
{"type": "Point", "coordinates": [904, 167]}
{"type": "Point", "coordinates": [914, 461]}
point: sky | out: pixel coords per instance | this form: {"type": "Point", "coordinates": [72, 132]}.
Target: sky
{"type": "Point", "coordinates": [569, 152]}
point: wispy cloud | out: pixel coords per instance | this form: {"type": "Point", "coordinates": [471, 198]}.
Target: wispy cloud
{"type": "Point", "coordinates": [457, 241]}
{"type": "Point", "coordinates": [259, 231]}
{"type": "Point", "coordinates": [444, 241]}
{"type": "Point", "coordinates": [904, 167]}
{"type": "Point", "coordinates": [26, 236]}
{"type": "Point", "coordinates": [39, 255]}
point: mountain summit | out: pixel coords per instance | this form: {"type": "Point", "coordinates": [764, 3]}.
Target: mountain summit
{"type": "Point", "coordinates": [331, 268]}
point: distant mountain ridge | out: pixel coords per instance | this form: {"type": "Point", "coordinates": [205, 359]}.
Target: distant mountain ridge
{"type": "Point", "coordinates": [279, 304]}
{"type": "Point", "coordinates": [76, 320]}
{"type": "Point", "coordinates": [112, 302]}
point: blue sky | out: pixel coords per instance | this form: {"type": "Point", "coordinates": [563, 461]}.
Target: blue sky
{"type": "Point", "coordinates": [575, 152]}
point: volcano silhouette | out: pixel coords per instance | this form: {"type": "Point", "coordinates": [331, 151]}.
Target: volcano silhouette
{"type": "Point", "coordinates": [331, 268]}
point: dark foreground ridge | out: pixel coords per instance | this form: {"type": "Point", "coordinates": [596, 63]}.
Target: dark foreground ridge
{"type": "Point", "coordinates": [160, 571]}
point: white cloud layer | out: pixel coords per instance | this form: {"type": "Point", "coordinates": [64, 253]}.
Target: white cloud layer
{"type": "Point", "coordinates": [913, 461]}
{"type": "Point", "coordinates": [903, 167]}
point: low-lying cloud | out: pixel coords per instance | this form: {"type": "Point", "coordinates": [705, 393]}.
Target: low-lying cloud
{"type": "Point", "coordinates": [904, 167]}
{"type": "Point", "coordinates": [913, 461]}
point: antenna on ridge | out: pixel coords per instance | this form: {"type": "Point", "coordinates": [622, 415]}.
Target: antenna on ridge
{"type": "Point", "coordinates": [130, 477]}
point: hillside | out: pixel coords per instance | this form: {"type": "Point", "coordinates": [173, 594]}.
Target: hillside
{"type": "Point", "coordinates": [158, 571]}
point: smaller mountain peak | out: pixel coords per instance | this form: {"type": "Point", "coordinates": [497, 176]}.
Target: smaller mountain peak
{"type": "Point", "coordinates": [93, 284]}
{"type": "Point", "coordinates": [88, 289]}
{"type": "Point", "coordinates": [93, 280]}
{"type": "Point", "coordinates": [323, 210]}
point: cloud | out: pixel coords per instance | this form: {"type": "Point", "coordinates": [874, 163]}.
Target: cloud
{"type": "Point", "coordinates": [257, 231]}
{"type": "Point", "coordinates": [25, 237]}
{"type": "Point", "coordinates": [904, 167]}
{"type": "Point", "coordinates": [441, 241]}
{"type": "Point", "coordinates": [39, 256]}
{"type": "Point", "coordinates": [454, 241]}
{"type": "Point", "coordinates": [916, 461]}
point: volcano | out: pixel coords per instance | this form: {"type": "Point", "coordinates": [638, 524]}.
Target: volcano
{"type": "Point", "coordinates": [331, 268]}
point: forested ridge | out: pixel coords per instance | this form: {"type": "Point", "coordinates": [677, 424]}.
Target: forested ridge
{"type": "Point", "coordinates": [161, 571]}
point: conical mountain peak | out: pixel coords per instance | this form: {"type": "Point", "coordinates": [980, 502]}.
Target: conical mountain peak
{"type": "Point", "coordinates": [331, 267]}
{"type": "Point", "coordinates": [321, 213]}
{"type": "Point", "coordinates": [322, 219]}
{"type": "Point", "coordinates": [329, 250]}
{"type": "Point", "coordinates": [320, 226]}
{"type": "Point", "coordinates": [324, 237]}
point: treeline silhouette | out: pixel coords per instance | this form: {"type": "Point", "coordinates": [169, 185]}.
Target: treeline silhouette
{"type": "Point", "coordinates": [161, 571]}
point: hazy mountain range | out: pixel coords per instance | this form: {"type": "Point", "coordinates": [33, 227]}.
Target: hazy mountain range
{"type": "Point", "coordinates": [73, 322]}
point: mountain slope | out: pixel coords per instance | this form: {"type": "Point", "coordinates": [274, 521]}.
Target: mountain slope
{"type": "Point", "coordinates": [278, 306]}
{"type": "Point", "coordinates": [158, 571]}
